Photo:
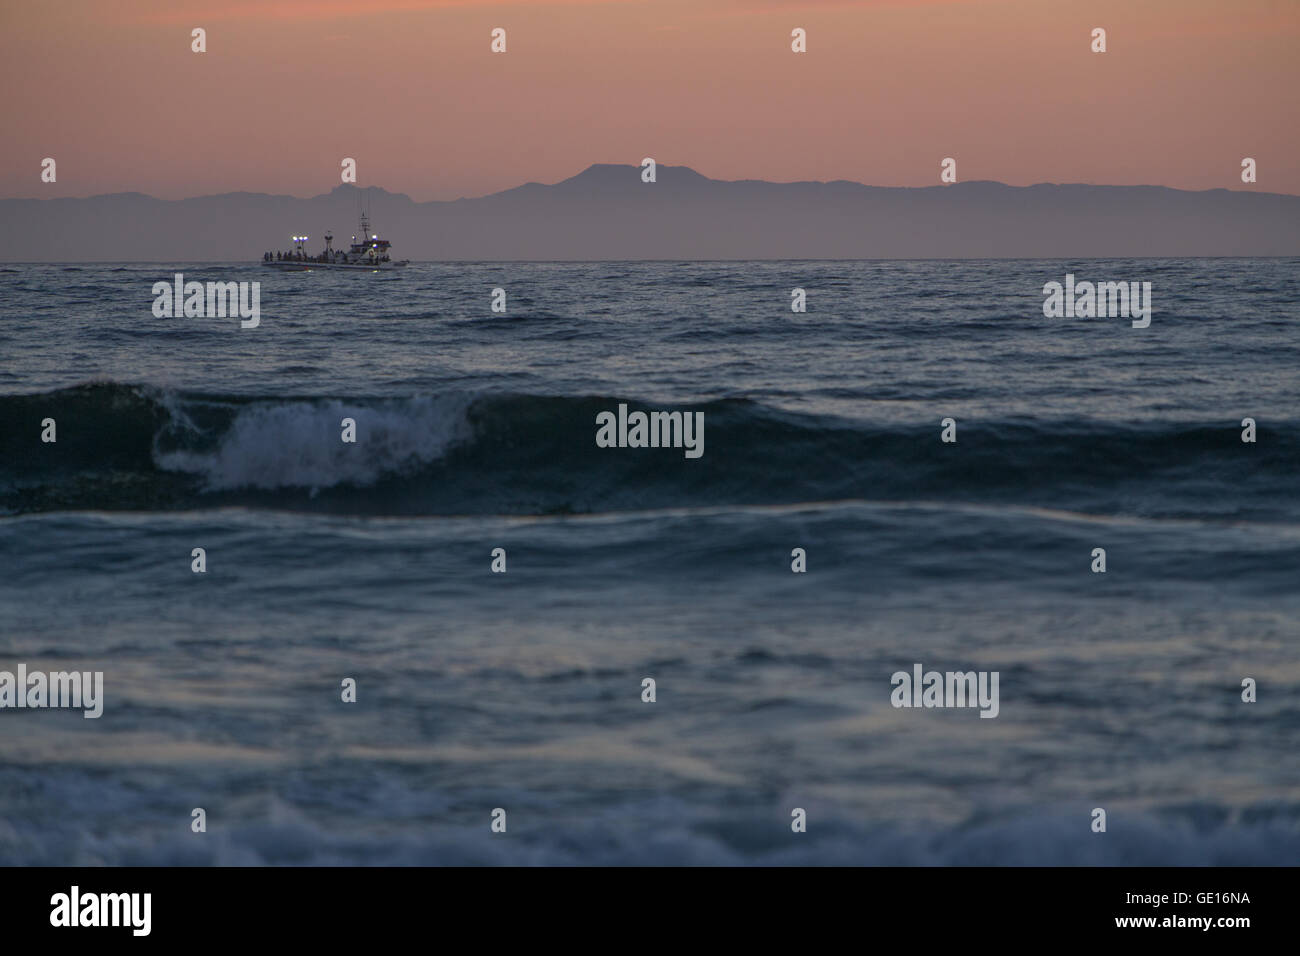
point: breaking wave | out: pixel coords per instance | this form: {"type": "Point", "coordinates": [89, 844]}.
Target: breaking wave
{"type": "Point", "coordinates": [142, 448]}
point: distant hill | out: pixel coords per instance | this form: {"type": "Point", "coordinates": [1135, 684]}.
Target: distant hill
{"type": "Point", "coordinates": [607, 212]}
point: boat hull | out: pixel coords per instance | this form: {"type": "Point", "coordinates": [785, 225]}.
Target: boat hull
{"type": "Point", "coordinates": [292, 265]}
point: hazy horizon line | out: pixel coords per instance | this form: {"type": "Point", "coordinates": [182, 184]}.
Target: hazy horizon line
{"type": "Point", "coordinates": [554, 262]}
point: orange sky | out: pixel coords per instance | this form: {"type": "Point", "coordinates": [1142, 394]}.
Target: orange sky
{"type": "Point", "coordinates": [888, 88]}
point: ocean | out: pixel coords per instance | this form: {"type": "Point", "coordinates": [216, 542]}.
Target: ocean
{"type": "Point", "coordinates": [478, 691]}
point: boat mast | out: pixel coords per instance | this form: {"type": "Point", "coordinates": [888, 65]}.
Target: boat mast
{"type": "Point", "coordinates": [365, 221]}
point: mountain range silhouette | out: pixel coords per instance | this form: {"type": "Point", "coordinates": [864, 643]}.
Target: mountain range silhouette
{"type": "Point", "coordinates": [608, 212]}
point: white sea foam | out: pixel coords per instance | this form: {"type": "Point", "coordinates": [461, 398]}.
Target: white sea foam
{"type": "Point", "coordinates": [298, 443]}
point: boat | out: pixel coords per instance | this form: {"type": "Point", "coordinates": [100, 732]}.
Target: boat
{"type": "Point", "coordinates": [367, 253]}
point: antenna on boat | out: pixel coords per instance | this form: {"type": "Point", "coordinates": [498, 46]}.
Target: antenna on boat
{"type": "Point", "coordinates": [365, 219]}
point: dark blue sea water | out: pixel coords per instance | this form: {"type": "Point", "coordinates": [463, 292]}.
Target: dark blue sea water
{"type": "Point", "coordinates": [522, 690]}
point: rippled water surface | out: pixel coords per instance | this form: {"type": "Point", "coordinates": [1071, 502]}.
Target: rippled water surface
{"type": "Point", "coordinates": [522, 690]}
